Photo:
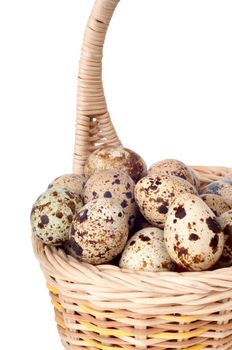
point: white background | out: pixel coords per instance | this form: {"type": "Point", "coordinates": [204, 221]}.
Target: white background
{"type": "Point", "coordinates": [168, 81]}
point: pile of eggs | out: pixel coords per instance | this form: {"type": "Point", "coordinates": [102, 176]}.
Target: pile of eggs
{"type": "Point", "coordinates": [144, 220]}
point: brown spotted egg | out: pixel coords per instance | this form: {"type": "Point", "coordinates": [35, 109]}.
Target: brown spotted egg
{"type": "Point", "coordinates": [225, 221]}
{"type": "Point", "coordinates": [155, 194]}
{"type": "Point", "coordinates": [216, 203]}
{"type": "Point", "coordinates": [222, 188]}
{"type": "Point", "coordinates": [99, 231]}
{"type": "Point", "coordinates": [146, 251]}
{"type": "Point", "coordinates": [114, 184]}
{"type": "Point", "coordinates": [175, 168]}
{"type": "Point", "coordinates": [52, 215]}
{"type": "Point", "coordinates": [72, 182]}
{"type": "Point", "coordinates": [193, 237]}
{"type": "Point", "coordinates": [228, 177]}
{"type": "Point", "coordinates": [112, 157]}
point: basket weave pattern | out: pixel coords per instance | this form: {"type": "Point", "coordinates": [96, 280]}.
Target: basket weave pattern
{"type": "Point", "coordinates": [104, 307]}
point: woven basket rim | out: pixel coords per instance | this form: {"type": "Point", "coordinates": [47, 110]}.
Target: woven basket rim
{"type": "Point", "coordinates": [58, 251]}
{"type": "Point", "coordinates": [56, 263]}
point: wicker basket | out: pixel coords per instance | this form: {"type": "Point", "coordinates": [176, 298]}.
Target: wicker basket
{"type": "Point", "coordinates": [104, 307]}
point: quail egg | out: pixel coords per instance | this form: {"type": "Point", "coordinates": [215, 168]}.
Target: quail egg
{"type": "Point", "coordinates": [155, 194]}
{"type": "Point", "coordinates": [99, 231]}
{"type": "Point", "coordinates": [193, 237]}
{"type": "Point", "coordinates": [114, 184]}
{"type": "Point", "coordinates": [72, 182]}
{"type": "Point", "coordinates": [120, 158]}
{"type": "Point", "coordinates": [145, 251]}
{"type": "Point", "coordinates": [216, 203]}
{"type": "Point", "coordinates": [175, 168]}
{"type": "Point", "coordinates": [52, 215]}
{"type": "Point", "coordinates": [228, 176]}
{"type": "Point", "coordinates": [222, 188]}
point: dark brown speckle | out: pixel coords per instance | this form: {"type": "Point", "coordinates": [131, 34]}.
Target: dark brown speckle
{"type": "Point", "coordinates": [72, 206]}
{"type": "Point", "coordinates": [116, 182]}
{"type": "Point", "coordinates": [180, 212]}
{"type": "Point", "coordinates": [124, 204]}
{"type": "Point", "coordinates": [44, 219]}
{"type": "Point", "coordinates": [182, 251]}
{"type": "Point", "coordinates": [59, 215]}
{"type": "Point", "coordinates": [107, 194]}
{"type": "Point", "coordinates": [163, 209]}
{"type": "Point", "coordinates": [70, 218]}
{"type": "Point", "coordinates": [214, 243]}
{"type": "Point", "coordinates": [193, 237]}
{"type": "Point", "coordinates": [144, 238]}
{"type": "Point", "coordinates": [213, 225]}
{"type": "Point", "coordinates": [95, 195]}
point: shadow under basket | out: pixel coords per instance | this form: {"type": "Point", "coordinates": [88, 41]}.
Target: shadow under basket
{"type": "Point", "coordinates": [105, 307]}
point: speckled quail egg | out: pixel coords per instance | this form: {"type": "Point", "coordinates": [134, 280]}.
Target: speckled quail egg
{"type": "Point", "coordinates": [114, 184]}
{"type": "Point", "coordinates": [72, 182]}
{"type": "Point", "coordinates": [222, 188]}
{"type": "Point", "coordinates": [99, 231]}
{"type": "Point", "coordinates": [52, 215]}
{"type": "Point", "coordinates": [228, 176]}
{"type": "Point", "coordinates": [193, 237]}
{"type": "Point", "coordinates": [111, 157]}
{"type": "Point", "coordinates": [146, 251]}
{"type": "Point", "coordinates": [155, 194]}
{"type": "Point", "coordinates": [216, 203]}
{"type": "Point", "coordinates": [175, 168]}
{"type": "Point", "coordinates": [225, 221]}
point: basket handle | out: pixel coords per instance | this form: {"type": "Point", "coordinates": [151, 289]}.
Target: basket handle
{"type": "Point", "coordinates": [93, 125]}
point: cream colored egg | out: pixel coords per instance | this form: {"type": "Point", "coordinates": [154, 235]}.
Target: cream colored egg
{"type": "Point", "coordinates": [52, 215]}
{"type": "Point", "coordinates": [99, 231]}
{"type": "Point", "coordinates": [228, 176]}
{"type": "Point", "coordinates": [114, 184]}
{"type": "Point", "coordinates": [155, 194]}
{"type": "Point", "coordinates": [116, 157]}
{"type": "Point", "coordinates": [175, 168]}
{"type": "Point", "coordinates": [216, 203]}
{"type": "Point", "coordinates": [225, 221]}
{"type": "Point", "coordinates": [145, 251]}
{"type": "Point", "coordinates": [222, 188]}
{"type": "Point", "coordinates": [72, 182]}
{"type": "Point", "coordinates": [193, 237]}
